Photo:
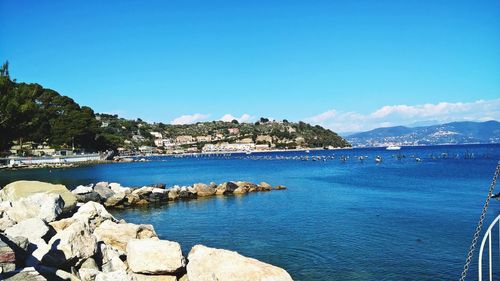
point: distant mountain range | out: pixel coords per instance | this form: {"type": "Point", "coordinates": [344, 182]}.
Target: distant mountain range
{"type": "Point", "coordinates": [450, 133]}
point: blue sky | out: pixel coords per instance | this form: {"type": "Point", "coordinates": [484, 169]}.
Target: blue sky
{"type": "Point", "coordinates": [347, 65]}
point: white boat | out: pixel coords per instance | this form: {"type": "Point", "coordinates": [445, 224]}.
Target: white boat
{"type": "Point", "coordinates": [393, 147]}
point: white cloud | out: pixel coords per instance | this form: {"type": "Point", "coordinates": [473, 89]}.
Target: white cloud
{"type": "Point", "coordinates": [394, 115]}
{"type": "Point", "coordinates": [189, 119]}
{"type": "Point", "coordinates": [243, 118]}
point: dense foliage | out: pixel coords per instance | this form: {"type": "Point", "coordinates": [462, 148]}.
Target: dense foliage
{"type": "Point", "coordinates": [283, 133]}
{"type": "Point", "coordinates": [29, 112]}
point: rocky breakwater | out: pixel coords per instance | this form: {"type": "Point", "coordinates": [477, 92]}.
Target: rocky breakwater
{"type": "Point", "coordinates": [113, 195]}
{"type": "Point", "coordinates": [45, 235]}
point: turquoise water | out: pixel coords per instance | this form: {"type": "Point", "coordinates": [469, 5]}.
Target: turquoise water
{"type": "Point", "coordinates": [338, 220]}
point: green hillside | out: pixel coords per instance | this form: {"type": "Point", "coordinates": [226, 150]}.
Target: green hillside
{"type": "Point", "coordinates": [32, 114]}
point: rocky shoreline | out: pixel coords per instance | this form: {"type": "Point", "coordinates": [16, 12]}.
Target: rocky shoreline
{"type": "Point", "coordinates": [113, 195]}
{"type": "Point", "coordinates": [50, 233]}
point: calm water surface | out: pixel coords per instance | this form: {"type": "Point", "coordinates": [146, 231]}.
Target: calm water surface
{"type": "Point", "coordinates": [352, 220]}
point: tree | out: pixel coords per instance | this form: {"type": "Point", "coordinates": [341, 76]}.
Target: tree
{"type": "Point", "coordinates": [4, 71]}
{"type": "Point", "coordinates": [235, 121]}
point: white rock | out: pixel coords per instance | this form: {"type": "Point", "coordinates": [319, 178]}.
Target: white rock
{"type": "Point", "coordinates": [94, 213]}
{"type": "Point", "coordinates": [152, 256]}
{"type": "Point", "coordinates": [74, 243]}
{"type": "Point", "coordinates": [117, 188]}
{"type": "Point", "coordinates": [33, 229]}
{"type": "Point", "coordinates": [46, 206]}
{"type": "Point", "coordinates": [159, 190]}
{"type": "Point", "coordinates": [118, 234]}
{"type": "Point", "coordinates": [111, 259]}
{"type": "Point", "coordinates": [208, 264]}
{"type": "Point", "coordinates": [82, 189]}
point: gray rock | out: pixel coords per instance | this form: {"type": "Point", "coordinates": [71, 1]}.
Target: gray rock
{"type": "Point", "coordinates": [19, 245]}
{"type": "Point", "coordinates": [115, 200]}
{"type": "Point", "coordinates": [103, 190]}
{"type": "Point", "coordinates": [89, 197]}
{"type": "Point", "coordinates": [7, 258]}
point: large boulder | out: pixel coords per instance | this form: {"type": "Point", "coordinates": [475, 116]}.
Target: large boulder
{"type": "Point", "coordinates": [103, 190]}
{"type": "Point", "coordinates": [22, 189]}
{"type": "Point", "coordinates": [94, 213]}
{"type": "Point", "coordinates": [73, 244]}
{"type": "Point", "coordinates": [117, 188]}
{"type": "Point", "coordinates": [153, 256]}
{"type": "Point", "coordinates": [203, 190]}
{"type": "Point", "coordinates": [115, 200]}
{"type": "Point", "coordinates": [118, 234]}
{"type": "Point", "coordinates": [173, 193]}
{"type": "Point", "coordinates": [33, 229]}
{"type": "Point", "coordinates": [89, 197]}
{"type": "Point", "coordinates": [91, 212]}
{"type": "Point", "coordinates": [46, 206]}
{"type": "Point", "coordinates": [207, 264]}
{"type": "Point", "coordinates": [240, 190]}
{"type": "Point", "coordinates": [143, 192]}
{"type": "Point", "coordinates": [226, 188]}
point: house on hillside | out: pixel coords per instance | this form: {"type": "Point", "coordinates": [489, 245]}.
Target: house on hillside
{"type": "Point", "coordinates": [207, 138]}
{"type": "Point", "coordinates": [184, 139]}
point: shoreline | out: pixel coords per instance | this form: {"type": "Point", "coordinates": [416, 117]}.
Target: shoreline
{"type": "Point", "coordinates": [138, 158]}
{"type": "Point", "coordinates": [46, 234]}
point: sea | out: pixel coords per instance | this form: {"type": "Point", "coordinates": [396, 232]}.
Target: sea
{"type": "Point", "coordinates": [343, 216]}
